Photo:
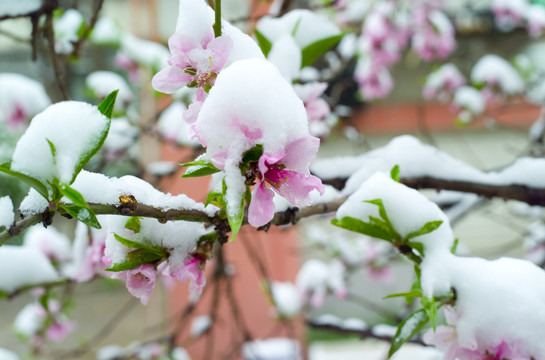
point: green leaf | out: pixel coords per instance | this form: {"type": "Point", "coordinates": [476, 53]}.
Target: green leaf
{"type": "Point", "coordinates": [138, 245]}
{"type": "Point", "coordinates": [133, 224]}
{"type": "Point", "coordinates": [394, 173]}
{"type": "Point", "coordinates": [264, 44]}
{"type": "Point", "coordinates": [200, 171]}
{"type": "Point", "coordinates": [83, 214]}
{"type": "Point", "coordinates": [73, 195]}
{"type": "Point", "coordinates": [406, 330]}
{"type": "Point", "coordinates": [313, 51]}
{"type": "Point", "coordinates": [215, 198]}
{"type": "Point", "coordinates": [52, 148]}
{"type": "Point", "coordinates": [418, 246]}
{"type": "Point", "coordinates": [235, 220]}
{"type": "Point", "coordinates": [135, 258]}
{"type": "Point", "coordinates": [201, 168]}
{"type": "Point", "coordinates": [209, 237]}
{"type": "Point", "coordinates": [362, 227]}
{"type": "Point", "coordinates": [29, 180]}
{"type": "Point", "coordinates": [454, 246]}
{"type": "Point", "coordinates": [430, 306]}
{"type": "Point", "coordinates": [253, 154]}
{"type": "Point", "coordinates": [411, 294]}
{"type": "Point", "coordinates": [426, 229]}
{"type": "Point", "coordinates": [105, 107]}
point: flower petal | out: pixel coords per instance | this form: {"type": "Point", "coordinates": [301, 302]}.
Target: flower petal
{"type": "Point", "coordinates": [299, 153]}
{"type": "Point", "coordinates": [221, 49]}
{"type": "Point", "coordinates": [170, 79]}
{"type": "Point", "coordinates": [261, 209]}
{"type": "Point", "coordinates": [294, 186]}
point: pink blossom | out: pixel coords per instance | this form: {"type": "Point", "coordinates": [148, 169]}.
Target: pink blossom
{"type": "Point", "coordinates": [287, 174]}
{"type": "Point", "coordinates": [94, 261]}
{"type": "Point", "coordinates": [17, 118]}
{"type": "Point", "coordinates": [124, 62]}
{"type": "Point", "coordinates": [193, 64]}
{"type": "Point", "coordinates": [317, 108]}
{"type": "Point", "coordinates": [374, 83]}
{"type": "Point", "coordinates": [434, 38]}
{"type": "Point", "coordinates": [445, 338]}
{"type": "Point", "coordinates": [139, 281]}
{"type": "Point", "coordinates": [193, 270]}
{"type": "Point", "coordinates": [60, 330]}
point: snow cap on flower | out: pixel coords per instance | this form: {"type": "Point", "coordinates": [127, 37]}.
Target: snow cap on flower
{"type": "Point", "coordinates": [494, 71]}
{"type": "Point", "coordinates": [241, 112]}
{"type": "Point", "coordinates": [20, 99]}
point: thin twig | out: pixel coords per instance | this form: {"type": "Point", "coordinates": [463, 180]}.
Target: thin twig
{"type": "Point", "coordinates": [50, 34]}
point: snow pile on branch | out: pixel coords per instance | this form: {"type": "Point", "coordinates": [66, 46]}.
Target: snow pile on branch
{"type": "Point", "coordinates": [499, 304]}
{"type": "Point", "coordinates": [57, 139]}
{"type": "Point", "coordinates": [100, 189]}
{"type": "Point", "coordinates": [419, 160]}
{"type": "Point", "coordinates": [26, 266]}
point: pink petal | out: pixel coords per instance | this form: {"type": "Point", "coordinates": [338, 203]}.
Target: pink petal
{"type": "Point", "coordinates": [180, 44]}
{"type": "Point", "coordinates": [221, 48]}
{"type": "Point", "coordinates": [140, 282]}
{"type": "Point", "coordinates": [267, 159]}
{"type": "Point", "coordinates": [170, 79]}
{"type": "Point", "coordinates": [254, 134]}
{"type": "Point", "coordinates": [294, 186]}
{"type": "Point", "coordinates": [299, 153]}
{"type": "Point", "coordinates": [261, 209]}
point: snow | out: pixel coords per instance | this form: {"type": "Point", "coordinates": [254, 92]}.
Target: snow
{"type": "Point", "coordinates": [7, 217]}
{"type": "Point", "coordinates": [418, 160]}
{"type": "Point", "coordinates": [316, 277]}
{"type": "Point", "coordinates": [272, 349]}
{"type": "Point", "coordinates": [351, 324]}
{"type": "Point", "coordinates": [102, 83]}
{"type": "Point", "coordinates": [239, 94]}
{"type": "Point", "coordinates": [179, 237]}
{"type": "Point", "coordinates": [496, 300]}
{"type": "Point", "coordinates": [144, 52]}
{"type": "Point", "coordinates": [122, 135]}
{"type": "Point", "coordinates": [105, 32]}
{"type": "Point", "coordinates": [407, 209]}
{"type": "Point", "coordinates": [196, 18]}
{"type": "Point", "coordinates": [22, 91]}
{"type": "Point", "coordinates": [66, 30]}
{"type": "Point", "coordinates": [100, 189]}
{"type": "Point", "coordinates": [26, 266]}
{"type": "Point", "coordinates": [52, 243]}
{"type": "Point", "coordinates": [286, 56]}
{"type": "Point", "coordinates": [161, 168]}
{"type": "Point", "coordinates": [73, 127]}
{"type": "Point", "coordinates": [8, 355]}
{"type": "Point", "coordinates": [493, 70]}
{"type": "Point", "coordinates": [305, 26]}
{"type": "Point", "coordinates": [171, 125]}
{"type": "Point", "coordinates": [286, 298]}
{"type": "Point", "coordinates": [200, 325]}
{"type": "Point", "coordinates": [28, 321]}
{"type": "Point", "coordinates": [469, 98]}
{"type": "Point", "coordinates": [384, 330]}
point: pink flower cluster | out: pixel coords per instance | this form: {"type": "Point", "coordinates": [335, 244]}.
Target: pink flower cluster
{"type": "Point", "coordinates": [442, 83]}
{"type": "Point", "coordinates": [140, 281]}
{"type": "Point", "coordinates": [195, 65]}
{"type": "Point", "coordinates": [445, 338]}
{"type": "Point", "coordinates": [387, 31]}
